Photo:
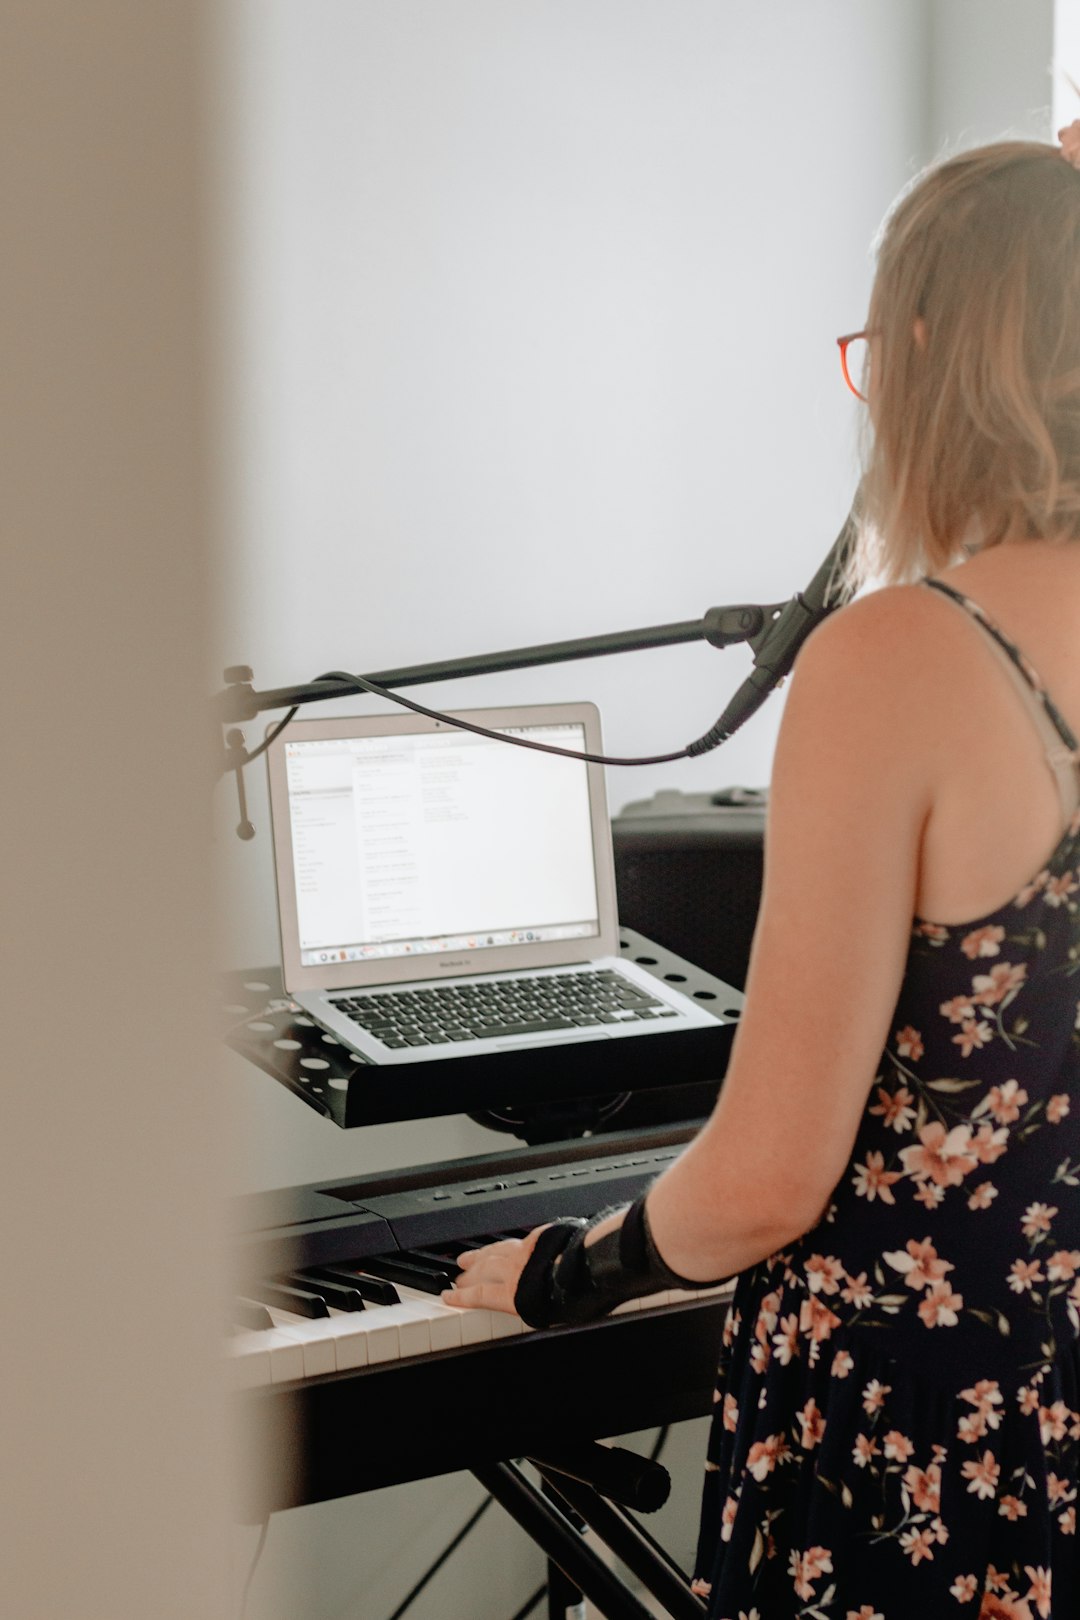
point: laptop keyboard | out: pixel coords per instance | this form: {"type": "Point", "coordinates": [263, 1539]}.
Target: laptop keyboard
{"type": "Point", "coordinates": [533, 1005]}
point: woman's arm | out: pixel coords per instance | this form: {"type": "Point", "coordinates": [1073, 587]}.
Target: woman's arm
{"type": "Point", "coordinates": [851, 790]}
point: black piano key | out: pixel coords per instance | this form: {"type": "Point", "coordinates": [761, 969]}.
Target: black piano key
{"type": "Point", "coordinates": [287, 1298]}
{"type": "Point", "coordinates": [343, 1296]}
{"type": "Point", "coordinates": [248, 1313]}
{"type": "Point", "coordinates": [448, 1252]}
{"type": "Point", "coordinates": [453, 1248]}
{"type": "Point", "coordinates": [442, 1259]}
{"type": "Point", "coordinates": [429, 1278]}
{"type": "Point", "coordinates": [371, 1289]}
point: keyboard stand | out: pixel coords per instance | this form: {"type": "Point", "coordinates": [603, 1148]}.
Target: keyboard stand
{"type": "Point", "coordinates": [553, 1517]}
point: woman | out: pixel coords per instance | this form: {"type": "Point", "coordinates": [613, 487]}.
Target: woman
{"type": "Point", "coordinates": [893, 1166]}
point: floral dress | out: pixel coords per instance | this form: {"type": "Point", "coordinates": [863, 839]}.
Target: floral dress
{"type": "Point", "coordinates": [897, 1421]}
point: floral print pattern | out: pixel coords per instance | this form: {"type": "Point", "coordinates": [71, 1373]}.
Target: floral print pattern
{"type": "Point", "coordinates": [897, 1421]}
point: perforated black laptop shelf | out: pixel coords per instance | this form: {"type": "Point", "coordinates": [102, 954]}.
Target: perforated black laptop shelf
{"type": "Point", "coordinates": [536, 1093]}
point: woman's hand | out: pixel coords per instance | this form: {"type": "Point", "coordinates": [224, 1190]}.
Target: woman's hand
{"type": "Point", "coordinates": [489, 1276]}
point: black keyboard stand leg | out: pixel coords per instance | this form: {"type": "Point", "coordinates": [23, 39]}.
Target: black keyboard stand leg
{"type": "Point", "coordinates": [565, 1601]}
{"type": "Point", "coordinates": [637, 1550]}
{"type": "Point", "coordinates": [561, 1542]}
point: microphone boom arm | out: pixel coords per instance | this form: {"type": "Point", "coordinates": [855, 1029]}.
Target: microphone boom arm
{"type": "Point", "coordinates": [721, 627]}
{"type": "Point", "coordinates": [775, 633]}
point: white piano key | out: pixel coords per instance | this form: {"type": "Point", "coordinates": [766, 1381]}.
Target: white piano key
{"type": "Point", "coordinates": [248, 1361]}
{"type": "Point", "coordinates": [480, 1326]}
{"type": "Point", "coordinates": [350, 1340]}
{"type": "Point", "coordinates": [445, 1331]}
{"type": "Point", "coordinates": [443, 1320]}
{"type": "Point", "coordinates": [284, 1355]}
{"type": "Point", "coordinates": [395, 1331]}
{"type": "Point", "coordinates": [415, 1334]}
{"type": "Point", "coordinates": [299, 1347]}
{"type": "Point", "coordinates": [286, 1358]}
{"type": "Point", "coordinates": [384, 1332]}
{"type": "Point", "coordinates": [476, 1327]}
{"type": "Point", "coordinates": [311, 1335]}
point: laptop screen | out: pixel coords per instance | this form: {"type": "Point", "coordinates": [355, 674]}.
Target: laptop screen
{"type": "Point", "coordinates": [426, 842]}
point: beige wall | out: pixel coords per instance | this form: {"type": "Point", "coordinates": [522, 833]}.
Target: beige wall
{"type": "Point", "coordinates": [112, 1505]}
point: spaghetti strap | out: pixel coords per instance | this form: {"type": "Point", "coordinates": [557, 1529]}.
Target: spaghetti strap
{"type": "Point", "coordinates": [1031, 677]}
{"type": "Point", "coordinates": [1060, 742]}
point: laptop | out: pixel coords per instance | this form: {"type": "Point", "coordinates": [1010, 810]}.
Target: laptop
{"type": "Point", "coordinates": [443, 894]}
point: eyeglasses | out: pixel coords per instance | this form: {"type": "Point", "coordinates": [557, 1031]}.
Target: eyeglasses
{"type": "Point", "coordinates": [855, 360]}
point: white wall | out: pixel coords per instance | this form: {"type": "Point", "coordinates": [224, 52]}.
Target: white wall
{"type": "Point", "coordinates": [1066, 30]}
{"type": "Point", "coordinates": [533, 309]}
{"type": "Point", "coordinates": [533, 316]}
{"type": "Point", "coordinates": [990, 70]}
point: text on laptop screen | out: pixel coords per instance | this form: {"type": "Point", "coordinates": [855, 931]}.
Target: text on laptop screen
{"type": "Point", "coordinates": [439, 841]}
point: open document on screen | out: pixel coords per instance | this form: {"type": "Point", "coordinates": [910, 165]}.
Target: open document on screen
{"type": "Point", "coordinates": [439, 840]}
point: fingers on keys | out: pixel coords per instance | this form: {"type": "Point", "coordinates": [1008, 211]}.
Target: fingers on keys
{"type": "Point", "coordinates": [486, 1296]}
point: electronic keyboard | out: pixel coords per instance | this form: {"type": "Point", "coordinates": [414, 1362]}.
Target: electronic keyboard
{"type": "Point", "coordinates": [351, 1373]}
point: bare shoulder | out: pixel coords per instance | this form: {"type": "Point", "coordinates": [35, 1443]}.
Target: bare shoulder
{"type": "Point", "coordinates": [881, 657]}
{"type": "Point", "coordinates": [897, 626]}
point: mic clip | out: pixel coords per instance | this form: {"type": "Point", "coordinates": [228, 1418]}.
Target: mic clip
{"type": "Point", "coordinates": [789, 625]}
{"type": "Point", "coordinates": [746, 621]}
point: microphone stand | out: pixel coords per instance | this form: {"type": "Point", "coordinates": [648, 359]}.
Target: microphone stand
{"type": "Point", "coordinates": [721, 627]}
{"type": "Point", "coordinates": [239, 701]}
{"type": "Point", "coordinates": [774, 632]}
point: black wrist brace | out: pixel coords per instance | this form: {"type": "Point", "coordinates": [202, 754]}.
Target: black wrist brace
{"type": "Point", "coordinates": [565, 1280]}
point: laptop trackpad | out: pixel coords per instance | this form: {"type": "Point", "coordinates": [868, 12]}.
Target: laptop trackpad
{"type": "Point", "coordinates": [551, 1040]}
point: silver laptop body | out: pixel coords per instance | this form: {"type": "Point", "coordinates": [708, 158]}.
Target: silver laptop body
{"type": "Point", "coordinates": [413, 858]}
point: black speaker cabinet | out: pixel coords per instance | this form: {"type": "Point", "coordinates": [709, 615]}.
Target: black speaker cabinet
{"type": "Point", "coordinates": [688, 870]}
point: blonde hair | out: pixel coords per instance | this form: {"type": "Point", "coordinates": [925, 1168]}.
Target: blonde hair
{"type": "Point", "coordinates": [975, 355]}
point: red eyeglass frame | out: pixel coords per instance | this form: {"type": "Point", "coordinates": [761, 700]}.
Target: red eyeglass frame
{"type": "Point", "coordinates": [850, 337]}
